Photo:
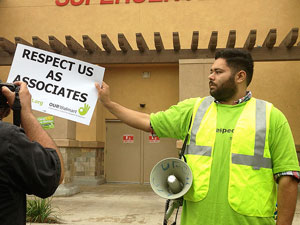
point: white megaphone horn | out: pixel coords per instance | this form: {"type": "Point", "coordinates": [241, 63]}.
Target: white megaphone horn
{"type": "Point", "coordinates": [171, 178]}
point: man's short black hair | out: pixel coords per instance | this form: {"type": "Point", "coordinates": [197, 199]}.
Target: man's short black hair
{"type": "Point", "coordinates": [237, 60]}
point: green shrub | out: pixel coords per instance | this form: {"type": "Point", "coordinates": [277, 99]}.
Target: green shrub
{"type": "Point", "coordinates": [40, 211]}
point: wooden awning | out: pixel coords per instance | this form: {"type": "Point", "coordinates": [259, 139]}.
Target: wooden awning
{"type": "Point", "coordinates": [89, 51]}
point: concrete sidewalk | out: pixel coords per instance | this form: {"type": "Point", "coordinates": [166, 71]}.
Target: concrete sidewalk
{"type": "Point", "coordinates": [112, 204]}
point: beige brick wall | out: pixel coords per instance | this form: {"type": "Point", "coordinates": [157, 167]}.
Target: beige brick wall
{"type": "Point", "coordinates": [82, 162]}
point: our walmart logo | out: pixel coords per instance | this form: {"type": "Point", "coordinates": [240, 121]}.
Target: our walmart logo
{"type": "Point", "coordinates": [83, 110]}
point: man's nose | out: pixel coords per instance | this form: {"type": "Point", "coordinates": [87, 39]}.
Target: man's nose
{"type": "Point", "coordinates": [211, 76]}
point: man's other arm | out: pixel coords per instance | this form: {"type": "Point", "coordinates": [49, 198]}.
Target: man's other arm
{"type": "Point", "coordinates": [286, 198]}
{"type": "Point", "coordinates": [132, 118]}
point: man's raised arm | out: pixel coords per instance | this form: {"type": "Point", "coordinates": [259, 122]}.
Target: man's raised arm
{"type": "Point", "coordinates": [132, 118]}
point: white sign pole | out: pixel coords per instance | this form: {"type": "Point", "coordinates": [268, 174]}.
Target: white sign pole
{"type": "Point", "coordinates": [59, 85]}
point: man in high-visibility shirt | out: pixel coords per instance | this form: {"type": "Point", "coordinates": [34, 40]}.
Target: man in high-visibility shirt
{"type": "Point", "coordinates": [239, 148]}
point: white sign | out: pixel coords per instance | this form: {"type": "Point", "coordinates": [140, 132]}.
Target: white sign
{"type": "Point", "coordinates": [59, 85]}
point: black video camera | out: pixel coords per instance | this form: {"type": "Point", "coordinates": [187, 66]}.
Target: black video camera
{"type": "Point", "coordinates": [3, 100]}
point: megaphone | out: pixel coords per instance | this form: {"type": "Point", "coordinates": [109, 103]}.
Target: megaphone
{"type": "Point", "coordinates": [162, 178]}
{"type": "Point", "coordinates": [171, 178]}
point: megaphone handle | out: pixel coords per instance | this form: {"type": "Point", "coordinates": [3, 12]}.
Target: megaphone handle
{"type": "Point", "coordinates": [174, 223]}
{"type": "Point", "coordinates": [176, 217]}
{"type": "Point", "coordinates": [174, 204]}
{"type": "Point", "coordinates": [170, 211]}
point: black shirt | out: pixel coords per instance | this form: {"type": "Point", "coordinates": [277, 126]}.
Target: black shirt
{"type": "Point", "coordinates": [25, 168]}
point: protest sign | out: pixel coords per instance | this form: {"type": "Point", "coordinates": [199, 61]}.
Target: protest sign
{"type": "Point", "coordinates": [59, 85]}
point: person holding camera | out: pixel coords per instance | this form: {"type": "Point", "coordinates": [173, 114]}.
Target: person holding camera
{"type": "Point", "coordinates": [239, 148]}
{"type": "Point", "coordinates": [30, 162]}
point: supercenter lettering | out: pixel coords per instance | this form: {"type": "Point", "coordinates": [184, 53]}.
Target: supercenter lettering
{"type": "Point", "coordinates": [102, 2]}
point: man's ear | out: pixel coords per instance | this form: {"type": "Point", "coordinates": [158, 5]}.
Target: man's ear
{"type": "Point", "coordinates": [241, 77]}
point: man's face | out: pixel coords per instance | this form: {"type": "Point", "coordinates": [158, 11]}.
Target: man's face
{"type": "Point", "coordinates": [222, 84]}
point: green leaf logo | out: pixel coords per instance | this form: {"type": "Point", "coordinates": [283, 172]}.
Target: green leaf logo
{"type": "Point", "coordinates": [83, 110]}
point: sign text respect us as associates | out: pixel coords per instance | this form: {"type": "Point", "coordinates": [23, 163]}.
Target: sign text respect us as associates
{"type": "Point", "coordinates": [59, 85]}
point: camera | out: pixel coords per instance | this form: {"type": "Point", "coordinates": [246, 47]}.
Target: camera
{"type": "Point", "coordinates": [3, 100]}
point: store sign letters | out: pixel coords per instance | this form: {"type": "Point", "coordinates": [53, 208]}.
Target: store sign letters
{"type": "Point", "coordinates": [102, 2]}
{"type": "Point", "coordinates": [59, 85]}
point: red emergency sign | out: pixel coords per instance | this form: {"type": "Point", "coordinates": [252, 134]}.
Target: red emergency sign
{"type": "Point", "coordinates": [153, 139]}
{"type": "Point", "coordinates": [128, 138]}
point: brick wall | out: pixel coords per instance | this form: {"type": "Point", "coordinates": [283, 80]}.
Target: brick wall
{"type": "Point", "coordinates": [82, 162]}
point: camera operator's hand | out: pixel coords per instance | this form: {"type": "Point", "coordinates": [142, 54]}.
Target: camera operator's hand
{"type": "Point", "coordinates": [5, 109]}
{"type": "Point", "coordinates": [24, 94]}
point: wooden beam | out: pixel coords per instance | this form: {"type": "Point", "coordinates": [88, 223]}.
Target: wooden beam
{"type": "Point", "coordinates": [7, 45]}
{"type": "Point", "coordinates": [176, 41]}
{"type": "Point", "coordinates": [141, 43]}
{"type": "Point", "coordinates": [291, 38]}
{"type": "Point", "coordinates": [231, 39]}
{"type": "Point", "coordinates": [107, 44]}
{"type": "Point", "coordinates": [20, 40]}
{"type": "Point", "coordinates": [123, 43]}
{"type": "Point", "coordinates": [277, 54]}
{"type": "Point", "coordinates": [158, 42]}
{"type": "Point", "coordinates": [270, 39]}
{"type": "Point", "coordinates": [56, 45]}
{"type": "Point", "coordinates": [251, 40]}
{"type": "Point", "coordinates": [168, 56]}
{"type": "Point", "coordinates": [212, 45]}
{"type": "Point", "coordinates": [90, 45]}
{"type": "Point", "coordinates": [39, 43]}
{"type": "Point", "coordinates": [73, 45]}
{"type": "Point", "coordinates": [195, 40]}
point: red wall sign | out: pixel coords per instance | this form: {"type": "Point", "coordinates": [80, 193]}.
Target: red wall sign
{"type": "Point", "coordinates": [153, 139]}
{"type": "Point", "coordinates": [101, 2]}
{"type": "Point", "coordinates": [128, 138]}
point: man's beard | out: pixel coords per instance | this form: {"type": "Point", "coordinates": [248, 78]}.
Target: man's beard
{"type": "Point", "coordinates": [226, 91]}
